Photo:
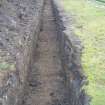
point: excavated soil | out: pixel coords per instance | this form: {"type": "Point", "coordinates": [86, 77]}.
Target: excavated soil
{"type": "Point", "coordinates": [46, 80]}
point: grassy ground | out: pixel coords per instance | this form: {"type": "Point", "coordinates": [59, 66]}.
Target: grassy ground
{"type": "Point", "coordinates": [101, 1]}
{"type": "Point", "coordinates": [90, 27]}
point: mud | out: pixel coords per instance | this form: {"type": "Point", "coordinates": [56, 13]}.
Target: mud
{"type": "Point", "coordinates": [47, 79]}
{"type": "Point", "coordinates": [40, 57]}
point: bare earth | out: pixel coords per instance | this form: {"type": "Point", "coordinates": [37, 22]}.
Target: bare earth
{"type": "Point", "coordinates": [46, 79]}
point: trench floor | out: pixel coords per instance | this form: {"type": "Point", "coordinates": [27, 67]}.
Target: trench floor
{"type": "Point", "coordinates": [46, 79]}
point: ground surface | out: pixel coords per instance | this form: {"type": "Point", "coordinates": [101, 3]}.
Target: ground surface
{"type": "Point", "coordinates": [89, 25]}
{"type": "Point", "coordinates": [46, 79]}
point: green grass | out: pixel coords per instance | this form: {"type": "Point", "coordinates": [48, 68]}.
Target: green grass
{"type": "Point", "coordinates": [90, 27]}
{"type": "Point", "coordinates": [6, 66]}
{"type": "Point", "coordinates": [101, 1]}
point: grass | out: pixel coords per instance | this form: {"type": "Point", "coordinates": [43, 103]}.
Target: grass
{"type": "Point", "coordinates": [90, 27]}
{"type": "Point", "coordinates": [6, 66]}
{"type": "Point", "coordinates": [101, 1]}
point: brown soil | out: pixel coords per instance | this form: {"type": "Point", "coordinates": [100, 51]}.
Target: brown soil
{"type": "Point", "coordinates": [46, 78]}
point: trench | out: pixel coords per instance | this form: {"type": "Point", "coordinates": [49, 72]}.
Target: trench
{"type": "Point", "coordinates": [46, 78]}
{"type": "Point", "coordinates": [48, 82]}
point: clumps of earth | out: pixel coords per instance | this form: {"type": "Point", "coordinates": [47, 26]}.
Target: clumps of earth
{"type": "Point", "coordinates": [16, 18]}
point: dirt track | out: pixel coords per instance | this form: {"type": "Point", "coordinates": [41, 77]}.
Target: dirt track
{"type": "Point", "coordinates": [46, 79]}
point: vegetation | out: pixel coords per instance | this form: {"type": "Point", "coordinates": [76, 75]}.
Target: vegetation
{"type": "Point", "coordinates": [6, 66]}
{"type": "Point", "coordinates": [101, 1]}
{"type": "Point", "coordinates": [90, 27]}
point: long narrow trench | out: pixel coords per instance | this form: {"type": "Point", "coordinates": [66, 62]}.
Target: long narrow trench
{"type": "Point", "coordinates": [46, 79]}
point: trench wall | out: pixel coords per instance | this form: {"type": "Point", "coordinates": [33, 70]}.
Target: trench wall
{"type": "Point", "coordinates": [70, 50]}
